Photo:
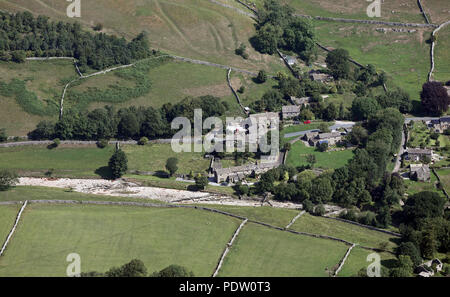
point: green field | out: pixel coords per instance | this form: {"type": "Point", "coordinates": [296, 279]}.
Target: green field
{"type": "Point", "coordinates": [8, 214]}
{"type": "Point", "coordinates": [299, 151]}
{"type": "Point", "coordinates": [444, 175]}
{"type": "Point", "coordinates": [349, 232]}
{"type": "Point", "coordinates": [403, 56]}
{"type": "Point", "coordinates": [416, 187]}
{"type": "Point", "coordinates": [262, 252]}
{"type": "Point", "coordinates": [358, 260]}
{"type": "Point", "coordinates": [442, 55]}
{"type": "Point", "coordinates": [90, 161]}
{"type": "Point", "coordinates": [111, 236]}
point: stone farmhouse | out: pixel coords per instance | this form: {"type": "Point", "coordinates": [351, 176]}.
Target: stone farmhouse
{"type": "Point", "coordinates": [440, 125]}
{"type": "Point", "coordinates": [290, 111]}
{"type": "Point", "coordinates": [419, 172]}
{"type": "Point", "coordinates": [315, 138]}
{"type": "Point", "coordinates": [417, 154]}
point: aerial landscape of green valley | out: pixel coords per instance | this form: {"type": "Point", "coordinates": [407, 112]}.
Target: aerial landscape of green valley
{"type": "Point", "coordinates": [206, 139]}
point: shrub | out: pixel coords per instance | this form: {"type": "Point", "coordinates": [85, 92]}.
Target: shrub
{"type": "Point", "coordinates": [143, 141]}
{"type": "Point", "coordinates": [262, 77]}
{"type": "Point", "coordinates": [201, 182]}
{"type": "Point", "coordinates": [3, 136]}
{"type": "Point", "coordinates": [8, 179]}
{"type": "Point", "coordinates": [172, 165]}
{"type": "Point", "coordinates": [56, 142]}
{"type": "Point", "coordinates": [308, 206]}
{"type": "Point", "coordinates": [319, 210]}
{"type": "Point", "coordinates": [102, 143]}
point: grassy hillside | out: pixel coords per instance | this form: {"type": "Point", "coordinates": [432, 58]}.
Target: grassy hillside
{"type": "Point", "coordinates": [442, 55]}
{"type": "Point", "coordinates": [358, 260]}
{"type": "Point", "coordinates": [8, 215]}
{"type": "Point", "coordinates": [193, 28]}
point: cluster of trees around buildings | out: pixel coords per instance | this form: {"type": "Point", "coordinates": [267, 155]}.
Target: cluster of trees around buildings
{"type": "Point", "coordinates": [126, 123]}
{"type": "Point", "coordinates": [137, 268]}
{"type": "Point", "coordinates": [363, 182]}
{"type": "Point", "coordinates": [277, 27]}
{"type": "Point", "coordinates": [23, 35]}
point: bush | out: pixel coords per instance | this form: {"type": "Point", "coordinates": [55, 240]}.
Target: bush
{"type": "Point", "coordinates": [19, 56]}
{"type": "Point", "coordinates": [201, 182]}
{"type": "Point", "coordinates": [3, 136]}
{"type": "Point", "coordinates": [8, 179]}
{"type": "Point", "coordinates": [319, 210]}
{"type": "Point", "coordinates": [174, 271]}
{"type": "Point", "coordinates": [143, 141]}
{"type": "Point", "coordinates": [102, 143]}
{"type": "Point", "coordinates": [56, 142]}
{"type": "Point", "coordinates": [241, 90]}
{"type": "Point", "coordinates": [262, 77]}
{"type": "Point", "coordinates": [98, 27]}
{"type": "Point", "coordinates": [308, 206]}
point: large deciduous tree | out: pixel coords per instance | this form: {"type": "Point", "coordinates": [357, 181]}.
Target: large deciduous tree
{"type": "Point", "coordinates": [435, 99]}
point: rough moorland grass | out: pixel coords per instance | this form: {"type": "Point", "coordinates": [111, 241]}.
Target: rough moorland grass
{"type": "Point", "coordinates": [299, 151]}
{"type": "Point", "coordinates": [41, 79]}
{"type": "Point", "coordinates": [262, 252]}
{"type": "Point", "coordinates": [193, 28]}
{"type": "Point", "coordinates": [279, 217]}
{"type": "Point", "coordinates": [408, 12]}
{"type": "Point", "coordinates": [349, 232]}
{"type": "Point", "coordinates": [22, 193]}
{"type": "Point", "coordinates": [106, 236]}
{"type": "Point", "coordinates": [8, 214]}
{"type": "Point", "coordinates": [91, 161]}
{"type": "Point", "coordinates": [403, 56]}
{"type": "Point", "coordinates": [358, 260]}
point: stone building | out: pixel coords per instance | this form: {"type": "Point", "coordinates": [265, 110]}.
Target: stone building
{"type": "Point", "coordinates": [419, 172]}
{"type": "Point", "coordinates": [417, 154]}
{"type": "Point", "coordinates": [315, 138]}
{"type": "Point", "coordinates": [290, 111]}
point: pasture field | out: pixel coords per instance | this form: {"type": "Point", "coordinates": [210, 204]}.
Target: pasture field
{"type": "Point", "coordinates": [407, 11]}
{"type": "Point", "coordinates": [347, 231]}
{"type": "Point", "coordinates": [111, 236]}
{"type": "Point", "coordinates": [42, 78]}
{"type": "Point", "coordinates": [262, 252]}
{"type": "Point", "coordinates": [333, 160]}
{"type": "Point", "coordinates": [90, 161]}
{"type": "Point", "coordinates": [357, 260]}
{"type": "Point", "coordinates": [405, 57]}
{"type": "Point", "coordinates": [442, 55]}
{"type": "Point", "coordinates": [444, 175]}
{"type": "Point", "coordinates": [8, 215]}
{"type": "Point", "coordinates": [278, 217]}
{"type": "Point", "coordinates": [193, 28]}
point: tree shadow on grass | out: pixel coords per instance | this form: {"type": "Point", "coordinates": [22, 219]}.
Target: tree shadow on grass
{"type": "Point", "coordinates": [105, 172]}
{"type": "Point", "coordinates": [161, 174]}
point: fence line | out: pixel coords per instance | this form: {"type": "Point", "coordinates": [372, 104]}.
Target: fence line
{"type": "Point", "coordinates": [423, 11]}
{"type": "Point", "coordinates": [13, 228]}
{"type": "Point", "coordinates": [440, 182]}
{"type": "Point", "coordinates": [228, 247]}
{"type": "Point", "coordinates": [234, 92]}
{"type": "Point", "coordinates": [433, 45]}
{"type": "Point", "coordinates": [295, 219]}
{"type": "Point", "coordinates": [343, 260]}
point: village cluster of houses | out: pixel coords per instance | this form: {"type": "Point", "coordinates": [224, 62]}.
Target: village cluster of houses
{"type": "Point", "coordinates": [439, 125]}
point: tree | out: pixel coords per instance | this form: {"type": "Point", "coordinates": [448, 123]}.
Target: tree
{"type": "Point", "coordinates": [337, 62]}
{"type": "Point", "coordinates": [319, 210]}
{"type": "Point", "coordinates": [262, 77]}
{"type": "Point", "coordinates": [311, 159]}
{"type": "Point", "coordinates": [8, 179]}
{"type": "Point", "coordinates": [404, 267]}
{"type": "Point", "coordinates": [135, 268]}
{"type": "Point", "coordinates": [435, 99]}
{"type": "Point", "coordinates": [171, 165]}
{"type": "Point", "coordinates": [128, 126]}
{"type": "Point", "coordinates": [358, 136]}
{"type": "Point", "coordinates": [324, 128]}
{"type": "Point", "coordinates": [423, 205]}
{"type": "Point", "coordinates": [143, 140]}
{"type": "Point", "coordinates": [409, 249]}
{"type": "Point", "coordinates": [118, 163]}
{"type": "Point", "coordinates": [201, 182]}
{"type": "Point", "coordinates": [323, 147]}
{"type": "Point", "coordinates": [19, 56]}
{"type": "Point", "coordinates": [322, 190]}
{"type": "Point", "coordinates": [363, 107]}
{"type": "Point", "coordinates": [3, 136]}
{"type": "Point", "coordinates": [174, 271]}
